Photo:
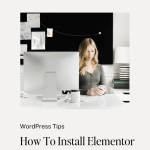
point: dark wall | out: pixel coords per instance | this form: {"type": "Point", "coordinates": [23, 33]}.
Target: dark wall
{"type": "Point", "coordinates": [76, 24]}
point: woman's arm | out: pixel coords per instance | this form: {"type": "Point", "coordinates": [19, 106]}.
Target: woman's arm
{"type": "Point", "coordinates": [102, 79]}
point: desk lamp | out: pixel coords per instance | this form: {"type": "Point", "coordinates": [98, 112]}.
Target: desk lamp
{"type": "Point", "coordinates": [122, 56]}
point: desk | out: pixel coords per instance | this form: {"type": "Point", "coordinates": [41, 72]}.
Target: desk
{"type": "Point", "coordinates": [34, 101]}
{"type": "Point", "coordinates": [122, 94]}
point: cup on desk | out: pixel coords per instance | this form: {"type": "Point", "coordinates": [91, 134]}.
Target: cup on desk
{"type": "Point", "coordinates": [75, 96]}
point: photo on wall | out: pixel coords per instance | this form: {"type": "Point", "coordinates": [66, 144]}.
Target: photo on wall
{"type": "Point", "coordinates": [23, 48]}
{"type": "Point", "coordinates": [33, 20]}
{"type": "Point", "coordinates": [25, 32]}
{"type": "Point", "coordinates": [49, 32]}
{"type": "Point", "coordinates": [38, 41]}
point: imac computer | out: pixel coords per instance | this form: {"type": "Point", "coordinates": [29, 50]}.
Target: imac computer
{"type": "Point", "coordinates": [49, 72]}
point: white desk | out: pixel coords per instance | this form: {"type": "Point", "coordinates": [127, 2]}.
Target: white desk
{"type": "Point", "coordinates": [34, 101]}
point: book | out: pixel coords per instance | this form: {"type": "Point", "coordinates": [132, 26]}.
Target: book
{"type": "Point", "coordinates": [118, 81]}
{"type": "Point", "coordinates": [124, 73]}
{"type": "Point", "coordinates": [121, 75]}
{"type": "Point", "coordinates": [121, 86]}
{"type": "Point", "coordinates": [124, 67]}
{"type": "Point", "coordinates": [124, 77]}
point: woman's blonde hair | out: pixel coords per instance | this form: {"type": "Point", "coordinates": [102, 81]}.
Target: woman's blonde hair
{"type": "Point", "coordinates": [82, 53]}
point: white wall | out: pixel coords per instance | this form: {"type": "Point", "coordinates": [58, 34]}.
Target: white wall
{"type": "Point", "coordinates": [120, 38]}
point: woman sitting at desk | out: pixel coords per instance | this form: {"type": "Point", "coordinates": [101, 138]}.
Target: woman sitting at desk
{"type": "Point", "coordinates": [91, 74]}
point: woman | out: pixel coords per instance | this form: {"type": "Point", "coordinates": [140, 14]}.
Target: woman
{"type": "Point", "coordinates": [91, 74]}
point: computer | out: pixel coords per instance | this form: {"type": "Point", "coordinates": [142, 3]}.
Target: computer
{"type": "Point", "coordinates": [49, 72]}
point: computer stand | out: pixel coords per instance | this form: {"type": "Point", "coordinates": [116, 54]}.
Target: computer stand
{"type": "Point", "coordinates": [50, 87]}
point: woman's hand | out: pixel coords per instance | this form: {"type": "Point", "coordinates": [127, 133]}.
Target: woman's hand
{"type": "Point", "coordinates": [96, 91]}
{"type": "Point", "coordinates": [100, 90]}
{"type": "Point", "coordinates": [91, 92]}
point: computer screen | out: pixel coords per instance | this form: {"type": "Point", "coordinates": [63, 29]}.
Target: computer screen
{"type": "Point", "coordinates": [65, 64]}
